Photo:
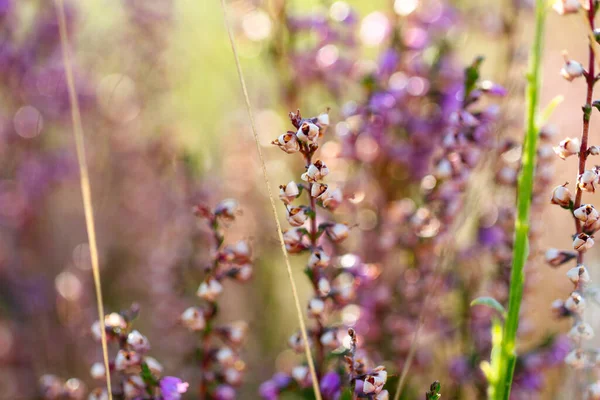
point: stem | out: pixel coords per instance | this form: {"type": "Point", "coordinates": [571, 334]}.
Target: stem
{"type": "Point", "coordinates": [508, 354]}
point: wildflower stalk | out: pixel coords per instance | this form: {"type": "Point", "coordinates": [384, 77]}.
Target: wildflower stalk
{"type": "Point", "coordinates": [86, 191]}
{"type": "Point", "coordinates": [508, 355]}
{"type": "Point", "coordinates": [311, 365]}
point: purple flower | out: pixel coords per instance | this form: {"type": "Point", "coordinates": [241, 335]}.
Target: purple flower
{"type": "Point", "coordinates": [172, 388]}
{"type": "Point", "coordinates": [224, 392]}
{"type": "Point", "coordinates": [269, 390]}
{"type": "Point", "coordinates": [331, 384]}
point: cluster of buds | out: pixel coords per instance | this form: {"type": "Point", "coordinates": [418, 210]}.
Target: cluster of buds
{"type": "Point", "coordinates": [134, 374]}
{"type": "Point", "coordinates": [367, 382]}
{"type": "Point", "coordinates": [221, 368]}
{"type": "Point", "coordinates": [54, 388]}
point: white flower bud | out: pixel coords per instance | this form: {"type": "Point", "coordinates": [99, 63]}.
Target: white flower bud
{"type": "Point", "coordinates": [329, 339]}
{"type": "Point", "coordinates": [316, 306]}
{"type": "Point", "coordinates": [563, 7]}
{"type": "Point", "coordinates": [98, 394]}
{"type": "Point", "coordinates": [297, 343]}
{"type": "Point", "coordinates": [318, 259]}
{"type": "Point", "coordinates": [235, 332]}
{"type": "Point", "coordinates": [317, 189]}
{"type": "Point", "coordinates": [556, 257]}
{"type": "Point", "coordinates": [126, 359]}
{"type": "Point", "coordinates": [289, 192]}
{"type": "Point", "coordinates": [50, 386]}
{"type": "Point", "coordinates": [74, 389]}
{"type": "Point", "coordinates": [244, 273]}
{"type": "Point", "coordinates": [588, 181]}
{"type": "Point", "coordinates": [331, 198]}
{"type": "Point", "coordinates": [594, 150]}
{"type": "Point", "coordinates": [568, 147]}
{"type": "Point", "coordinates": [561, 196]}
{"type": "Point", "coordinates": [339, 232]}
{"type": "Point", "coordinates": [324, 286]}
{"type": "Point", "coordinates": [583, 242]}
{"type": "Point", "coordinates": [578, 274]}
{"type": "Point", "coordinates": [323, 120]}
{"type": "Point", "coordinates": [193, 319]}
{"type": "Point", "coordinates": [115, 321]}
{"type": "Point", "coordinates": [587, 214]}
{"type": "Point", "coordinates": [575, 303]}
{"type": "Point", "coordinates": [581, 331]}
{"type": "Point", "coordinates": [594, 391]}
{"type": "Point", "coordinates": [315, 171]}
{"type": "Point", "coordinates": [576, 359]}
{"type": "Point", "coordinates": [97, 371]}
{"type": "Point", "coordinates": [227, 208]}
{"type": "Point", "coordinates": [308, 132]}
{"type": "Point", "coordinates": [233, 376]}
{"type": "Point", "coordinates": [209, 290]}
{"type": "Point", "coordinates": [571, 70]}
{"type": "Point", "coordinates": [384, 395]}
{"type": "Point", "coordinates": [225, 356]}
{"type": "Point", "coordinates": [293, 239]}
{"type": "Point", "coordinates": [138, 342]}
{"type": "Point", "coordinates": [297, 216]}
{"type": "Point", "coordinates": [300, 374]}
{"type": "Point", "coordinates": [134, 387]}
{"type": "Point", "coordinates": [443, 169]}
{"type": "Point", "coordinates": [154, 366]}
{"type": "Point", "coordinates": [287, 142]}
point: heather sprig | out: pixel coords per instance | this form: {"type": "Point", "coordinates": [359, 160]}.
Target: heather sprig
{"type": "Point", "coordinates": [221, 368]}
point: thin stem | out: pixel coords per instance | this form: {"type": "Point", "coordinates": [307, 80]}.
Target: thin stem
{"type": "Point", "coordinates": [86, 191]}
{"type": "Point", "coordinates": [525, 188]}
{"type": "Point", "coordinates": [309, 359]}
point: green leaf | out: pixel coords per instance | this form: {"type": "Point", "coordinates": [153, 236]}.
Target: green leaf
{"type": "Point", "coordinates": [489, 302]}
{"type": "Point", "coordinates": [346, 394]}
{"type": "Point", "coordinates": [549, 110]}
{"type": "Point", "coordinates": [148, 378]}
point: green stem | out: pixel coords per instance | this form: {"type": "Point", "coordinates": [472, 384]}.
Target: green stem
{"type": "Point", "coordinates": [508, 354]}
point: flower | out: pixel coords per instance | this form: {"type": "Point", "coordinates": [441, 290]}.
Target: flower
{"type": "Point", "coordinates": [289, 192]}
{"type": "Point", "coordinates": [97, 371]}
{"type": "Point", "coordinates": [297, 216]}
{"type": "Point", "coordinates": [138, 342]}
{"type": "Point", "coordinates": [209, 290]}
{"type": "Point", "coordinates": [568, 147]}
{"type": "Point", "coordinates": [315, 171]}
{"type": "Point", "coordinates": [308, 132]}
{"type": "Point", "coordinates": [578, 274]}
{"type": "Point", "coordinates": [588, 181]}
{"type": "Point", "coordinates": [318, 259]}
{"type": "Point", "coordinates": [126, 359]}
{"type": "Point", "coordinates": [331, 385]}
{"type": "Point", "coordinates": [172, 388]}
{"type": "Point", "coordinates": [571, 70]}
{"type": "Point", "coordinates": [287, 142]}
{"type": "Point", "coordinates": [563, 7]}
{"type": "Point", "coordinates": [338, 232]}
{"type": "Point", "coordinates": [581, 330]}
{"type": "Point", "coordinates": [316, 306]}
{"type": "Point", "coordinates": [193, 319]}
{"type": "Point", "coordinates": [331, 198]}
{"type": "Point", "coordinates": [587, 214]}
{"type": "Point", "coordinates": [583, 242]}
{"type": "Point", "coordinates": [575, 303]}
{"type": "Point", "coordinates": [562, 196]}
{"type": "Point", "coordinates": [227, 209]}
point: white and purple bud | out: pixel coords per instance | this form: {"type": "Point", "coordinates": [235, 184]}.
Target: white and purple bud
{"type": "Point", "coordinates": [324, 287]}
{"type": "Point", "coordinates": [126, 359]}
{"type": "Point", "coordinates": [329, 339]}
{"type": "Point", "coordinates": [562, 196]}
{"type": "Point", "coordinates": [134, 387]}
{"type": "Point", "coordinates": [297, 343]}
{"type": "Point", "coordinates": [225, 356]}
{"type": "Point", "coordinates": [588, 181]}
{"type": "Point", "coordinates": [318, 259]}
{"type": "Point", "coordinates": [384, 395]}
{"type": "Point", "coordinates": [564, 7]}
{"type": "Point", "coordinates": [587, 214]}
{"type": "Point", "coordinates": [98, 394]}
{"type": "Point", "coordinates": [571, 69]}
{"type": "Point", "coordinates": [583, 242]}
{"type": "Point", "coordinates": [289, 192]}
{"type": "Point", "coordinates": [193, 319]}
{"type": "Point", "coordinates": [97, 371]}
{"type": "Point", "coordinates": [293, 239]}
{"type": "Point", "coordinates": [323, 120]}
{"type": "Point", "coordinates": [233, 376]}
{"type": "Point", "coordinates": [581, 331]}
{"type": "Point", "coordinates": [315, 171]}
{"type": "Point", "coordinates": [331, 198]}
{"type": "Point", "coordinates": [317, 189]}
{"type": "Point", "coordinates": [567, 147]}
{"type": "Point", "coordinates": [308, 132]}
{"type": "Point", "coordinates": [575, 303]}
{"type": "Point", "coordinates": [154, 366]}
{"type": "Point", "coordinates": [576, 359]}
{"type": "Point", "coordinates": [138, 342]}
{"type": "Point", "coordinates": [316, 306]}
{"type": "Point", "coordinates": [297, 216]}
{"type": "Point", "coordinates": [579, 274]}
{"type": "Point", "coordinates": [227, 209]}
{"type": "Point", "coordinates": [300, 375]}
{"type": "Point", "coordinates": [287, 142]}
{"type": "Point", "coordinates": [209, 290]}
{"type": "Point", "coordinates": [594, 150]}
{"type": "Point", "coordinates": [556, 257]}
{"type": "Point", "coordinates": [243, 273]}
{"type": "Point", "coordinates": [235, 332]}
{"type": "Point", "coordinates": [338, 232]}
{"type": "Point", "coordinates": [593, 391]}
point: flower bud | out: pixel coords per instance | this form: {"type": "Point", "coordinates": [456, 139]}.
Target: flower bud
{"type": "Point", "coordinates": [581, 331]}
{"type": "Point", "coordinates": [575, 303]}
{"type": "Point", "coordinates": [193, 319]}
{"type": "Point", "coordinates": [308, 132]}
{"type": "Point", "coordinates": [209, 290]}
{"type": "Point", "coordinates": [154, 366]}
{"type": "Point", "coordinates": [568, 147]}
{"type": "Point", "coordinates": [331, 198]}
{"type": "Point", "coordinates": [97, 371]}
{"type": "Point", "coordinates": [318, 259]}
{"type": "Point", "coordinates": [233, 376]}
{"type": "Point", "coordinates": [315, 171]}
{"type": "Point", "coordinates": [225, 356]}
{"type": "Point", "coordinates": [234, 332]}
{"type": "Point", "coordinates": [571, 70]}
{"type": "Point", "coordinates": [564, 7]}
{"type": "Point", "coordinates": [134, 387]}
{"type": "Point", "coordinates": [562, 196]}
{"type": "Point", "coordinates": [50, 386]}
{"type": "Point", "coordinates": [588, 181]}
{"type": "Point", "coordinates": [287, 142]}
{"type": "Point", "coordinates": [98, 394]}
{"type": "Point", "coordinates": [583, 242]}
{"type": "Point", "coordinates": [243, 273]}
{"type": "Point", "coordinates": [316, 306]}
{"type": "Point", "coordinates": [556, 257]}
{"type": "Point", "coordinates": [594, 150]}
{"type": "Point", "coordinates": [293, 239]}
{"type": "Point", "coordinates": [559, 310]}
{"type": "Point", "coordinates": [338, 232]}
{"type": "Point", "coordinates": [126, 359]}
{"type": "Point", "coordinates": [593, 391]}
{"type": "Point", "coordinates": [323, 120]}
{"type": "Point", "coordinates": [384, 395]}
{"type": "Point", "coordinates": [297, 343]}
{"type": "Point", "coordinates": [289, 192]}
{"type": "Point", "coordinates": [576, 359]}
{"type": "Point", "coordinates": [329, 339]}
{"type": "Point", "coordinates": [300, 374]}
{"type": "Point", "coordinates": [587, 214]}
{"type": "Point", "coordinates": [227, 209]}
{"type": "Point", "coordinates": [297, 216]}
{"type": "Point", "coordinates": [323, 286]}
{"type": "Point", "coordinates": [317, 189]}
{"type": "Point", "coordinates": [579, 274]}
{"type": "Point", "coordinates": [138, 342]}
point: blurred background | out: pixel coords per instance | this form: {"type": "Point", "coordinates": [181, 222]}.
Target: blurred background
{"type": "Point", "coordinates": [166, 128]}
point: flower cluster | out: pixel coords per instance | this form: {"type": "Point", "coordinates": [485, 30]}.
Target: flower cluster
{"type": "Point", "coordinates": [367, 382]}
{"type": "Point", "coordinates": [221, 368]}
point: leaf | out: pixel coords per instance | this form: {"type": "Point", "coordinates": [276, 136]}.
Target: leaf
{"type": "Point", "coordinates": [489, 302]}
{"type": "Point", "coordinates": [148, 378]}
{"type": "Point", "coordinates": [346, 394]}
{"type": "Point", "coordinates": [545, 115]}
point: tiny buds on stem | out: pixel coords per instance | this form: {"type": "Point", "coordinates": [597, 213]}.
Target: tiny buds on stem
{"type": "Point", "coordinates": [318, 259]}
{"type": "Point", "coordinates": [571, 69]}
{"type": "Point", "coordinates": [329, 339]}
{"type": "Point", "coordinates": [593, 150]}
{"type": "Point", "coordinates": [138, 342]}
{"type": "Point", "coordinates": [126, 359]}
{"type": "Point", "coordinates": [193, 319]}
{"type": "Point", "coordinates": [315, 171]}
{"type": "Point", "coordinates": [324, 287]}
{"type": "Point", "coordinates": [587, 214]}
{"type": "Point", "coordinates": [567, 147]}
{"type": "Point", "coordinates": [578, 274]}
{"type": "Point", "coordinates": [301, 375]}
{"type": "Point", "coordinates": [331, 198]}
{"type": "Point", "coordinates": [575, 303]}
{"type": "Point", "coordinates": [227, 209]}
{"type": "Point", "coordinates": [562, 196]}
{"type": "Point", "coordinates": [289, 192]}
{"type": "Point", "coordinates": [308, 132]}
{"type": "Point", "coordinates": [588, 180]}
{"type": "Point", "coordinates": [316, 307]}
{"type": "Point", "coordinates": [209, 290]}
{"type": "Point", "coordinates": [293, 239]}
{"type": "Point", "coordinates": [317, 189]}
{"type": "Point", "coordinates": [576, 359]}
{"type": "Point", "coordinates": [323, 120]}
{"type": "Point", "coordinates": [564, 7]}
{"type": "Point", "coordinates": [234, 332]}
{"type": "Point", "coordinates": [338, 232]}
{"type": "Point", "coordinates": [97, 371]}
{"type": "Point", "coordinates": [583, 242]}
{"type": "Point", "coordinates": [297, 343]}
{"type": "Point", "coordinates": [225, 356]}
{"type": "Point", "coordinates": [154, 366]}
{"type": "Point", "coordinates": [134, 387]}
{"type": "Point", "coordinates": [581, 331]}
{"type": "Point", "coordinates": [556, 257]}
{"type": "Point", "coordinates": [287, 142]}
{"type": "Point", "coordinates": [243, 273]}
{"type": "Point", "coordinates": [297, 216]}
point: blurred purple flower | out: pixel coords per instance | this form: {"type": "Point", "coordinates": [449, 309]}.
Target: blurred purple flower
{"type": "Point", "coordinates": [172, 388]}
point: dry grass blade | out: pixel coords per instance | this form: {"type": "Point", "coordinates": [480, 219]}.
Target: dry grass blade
{"type": "Point", "coordinates": [85, 181]}
{"type": "Point", "coordinates": [311, 364]}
